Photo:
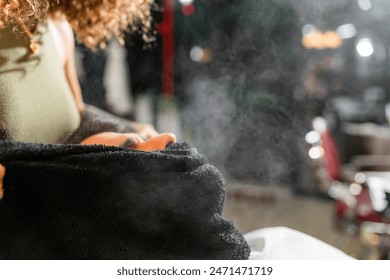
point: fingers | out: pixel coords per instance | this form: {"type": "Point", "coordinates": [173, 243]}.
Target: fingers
{"type": "Point", "coordinates": [146, 131]}
{"type": "Point", "coordinates": [157, 143]}
{"type": "Point", "coordinates": [113, 139]}
{"type": "Point", "coordinates": [131, 140]}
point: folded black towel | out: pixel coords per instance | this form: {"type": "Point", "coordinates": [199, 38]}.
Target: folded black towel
{"type": "Point", "coordinates": [99, 202]}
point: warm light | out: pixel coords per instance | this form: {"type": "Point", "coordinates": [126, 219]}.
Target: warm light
{"type": "Point", "coordinates": [318, 40]}
{"type": "Point", "coordinates": [312, 137]}
{"type": "Point", "coordinates": [346, 31]}
{"type": "Point", "coordinates": [201, 55]}
{"type": "Point", "coordinates": [365, 5]}
{"type": "Point", "coordinates": [208, 55]}
{"type": "Point", "coordinates": [316, 152]}
{"type": "Point", "coordinates": [355, 188]}
{"type": "Point", "coordinates": [331, 39]}
{"type": "Point", "coordinates": [364, 47]}
{"type": "Point", "coordinates": [313, 40]}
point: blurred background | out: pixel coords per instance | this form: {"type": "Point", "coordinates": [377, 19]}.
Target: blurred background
{"type": "Point", "coordinates": [289, 99]}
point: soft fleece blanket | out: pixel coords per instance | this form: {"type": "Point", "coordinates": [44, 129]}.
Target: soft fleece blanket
{"type": "Point", "coordinates": [99, 202]}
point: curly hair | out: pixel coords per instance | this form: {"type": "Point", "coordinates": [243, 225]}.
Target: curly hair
{"type": "Point", "coordinates": [94, 21]}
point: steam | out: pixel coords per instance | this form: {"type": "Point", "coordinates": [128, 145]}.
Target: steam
{"type": "Point", "coordinates": [240, 110]}
{"type": "Point", "coordinates": [241, 105]}
{"type": "Point", "coordinates": [210, 116]}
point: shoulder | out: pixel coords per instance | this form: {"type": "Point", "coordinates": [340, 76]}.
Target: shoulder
{"type": "Point", "coordinates": [63, 37]}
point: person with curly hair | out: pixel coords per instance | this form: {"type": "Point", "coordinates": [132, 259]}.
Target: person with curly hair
{"type": "Point", "coordinates": [40, 95]}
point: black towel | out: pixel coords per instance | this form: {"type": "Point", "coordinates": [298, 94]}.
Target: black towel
{"type": "Point", "coordinates": [99, 202]}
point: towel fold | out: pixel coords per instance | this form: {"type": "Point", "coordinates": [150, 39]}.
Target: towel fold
{"type": "Point", "coordinates": [98, 202]}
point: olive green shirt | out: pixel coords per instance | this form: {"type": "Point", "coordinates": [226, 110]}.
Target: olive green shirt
{"type": "Point", "coordinates": [36, 103]}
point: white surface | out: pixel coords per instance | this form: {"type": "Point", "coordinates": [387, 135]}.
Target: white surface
{"type": "Point", "coordinates": [281, 243]}
{"type": "Point", "coordinates": [378, 185]}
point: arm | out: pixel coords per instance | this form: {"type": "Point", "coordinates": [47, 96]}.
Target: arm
{"type": "Point", "coordinates": [64, 42]}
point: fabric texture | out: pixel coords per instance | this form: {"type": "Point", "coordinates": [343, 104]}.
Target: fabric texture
{"type": "Point", "coordinates": [98, 202]}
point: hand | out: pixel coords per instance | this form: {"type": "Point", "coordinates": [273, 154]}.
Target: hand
{"type": "Point", "coordinates": [146, 131]}
{"type": "Point", "coordinates": [159, 142]}
{"type": "Point", "coordinates": [113, 139]}
{"type": "Point", "coordinates": [131, 140]}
